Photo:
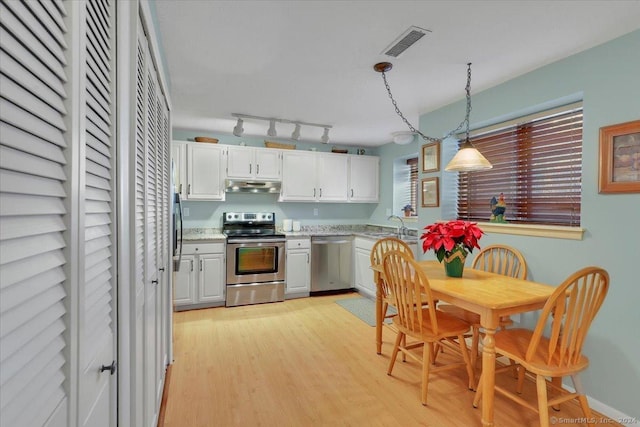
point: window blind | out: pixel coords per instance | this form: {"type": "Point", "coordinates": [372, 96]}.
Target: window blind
{"type": "Point", "coordinates": [537, 166]}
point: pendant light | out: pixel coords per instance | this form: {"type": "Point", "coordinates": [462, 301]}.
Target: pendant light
{"type": "Point", "coordinates": [468, 157]}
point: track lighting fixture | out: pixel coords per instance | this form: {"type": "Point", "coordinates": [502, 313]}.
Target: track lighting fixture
{"type": "Point", "coordinates": [468, 157]}
{"type": "Point", "coordinates": [295, 135]}
{"type": "Point", "coordinates": [296, 132]}
{"type": "Point", "coordinates": [238, 130]}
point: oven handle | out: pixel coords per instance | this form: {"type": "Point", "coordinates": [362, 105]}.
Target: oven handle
{"type": "Point", "coordinates": [256, 242]}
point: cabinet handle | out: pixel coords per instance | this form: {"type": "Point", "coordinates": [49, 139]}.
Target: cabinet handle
{"type": "Point", "coordinates": [161, 269]}
{"type": "Point", "coordinates": [352, 192]}
{"type": "Point", "coordinates": [250, 168]}
{"type": "Point", "coordinates": [155, 282]}
{"type": "Point", "coordinates": [307, 258]}
{"type": "Point", "coordinates": [314, 192]}
{"type": "Point", "coordinates": [200, 265]}
{"type": "Point", "coordinates": [191, 262]}
{"type": "Point", "coordinates": [258, 169]}
{"type": "Point", "coordinates": [189, 189]}
{"type": "Point", "coordinates": [321, 193]}
{"type": "Point", "coordinates": [111, 368]}
{"type": "Point", "coordinates": [180, 190]}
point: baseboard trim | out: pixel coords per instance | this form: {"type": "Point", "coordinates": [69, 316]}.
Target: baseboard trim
{"type": "Point", "coordinates": [608, 411]}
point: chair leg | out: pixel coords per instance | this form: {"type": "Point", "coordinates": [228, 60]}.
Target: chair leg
{"type": "Point", "coordinates": [577, 384]}
{"type": "Point", "coordinates": [404, 345]}
{"type": "Point", "coordinates": [380, 315]}
{"type": "Point", "coordinates": [521, 372]}
{"type": "Point", "coordinates": [395, 352]}
{"type": "Point", "coordinates": [426, 364]}
{"type": "Point", "coordinates": [543, 408]}
{"type": "Point", "coordinates": [476, 400]}
{"type": "Point", "coordinates": [467, 361]}
{"type": "Point", "coordinates": [557, 382]}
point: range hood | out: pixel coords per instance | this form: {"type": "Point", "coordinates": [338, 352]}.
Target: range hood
{"type": "Point", "coordinates": [244, 186]}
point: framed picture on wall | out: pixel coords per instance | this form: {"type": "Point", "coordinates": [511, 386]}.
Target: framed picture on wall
{"type": "Point", "coordinates": [430, 194]}
{"type": "Point", "coordinates": [619, 163]}
{"type": "Point", "coordinates": [431, 157]}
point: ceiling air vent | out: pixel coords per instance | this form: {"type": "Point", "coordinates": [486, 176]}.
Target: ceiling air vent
{"type": "Point", "coordinates": [405, 41]}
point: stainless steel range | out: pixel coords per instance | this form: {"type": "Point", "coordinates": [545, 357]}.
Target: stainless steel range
{"type": "Point", "coordinates": [255, 258]}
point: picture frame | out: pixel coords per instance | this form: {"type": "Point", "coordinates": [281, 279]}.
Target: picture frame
{"type": "Point", "coordinates": [619, 159]}
{"type": "Point", "coordinates": [430, 192]}
{"type": "Point", "coordinates": [431, 157]}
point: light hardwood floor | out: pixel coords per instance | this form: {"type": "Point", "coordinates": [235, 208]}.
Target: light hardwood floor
{"type": "Point", "coordinates": [309, 362]}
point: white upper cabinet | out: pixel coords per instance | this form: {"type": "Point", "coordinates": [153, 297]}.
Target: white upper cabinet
{"type": "Point", "coordinates": [179, 168]}
{"type": "Point", "coordinates": [311, 177]}
{"type": "Point", "coordinates": [254, 163]}
{"type": "Point", "coordinates": [205, 180]}
{"type": "Point", "coordinates": [364, 179]}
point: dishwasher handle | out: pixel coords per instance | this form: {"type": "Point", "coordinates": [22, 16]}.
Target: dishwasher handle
{"type": "Point", "coordinates": [330, 242]}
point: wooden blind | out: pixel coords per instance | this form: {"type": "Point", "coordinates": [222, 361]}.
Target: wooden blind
{"type": "Point", "coordinates": [413, 184]}
{"type": "Point", "coordinates": [537, 165]}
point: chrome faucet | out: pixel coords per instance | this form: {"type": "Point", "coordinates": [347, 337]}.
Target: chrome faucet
{"type": "Point", "coordinates": [402, 230]}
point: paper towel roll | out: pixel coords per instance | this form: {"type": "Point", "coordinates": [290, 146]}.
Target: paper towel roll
{"type": "Point", "coordinates": [296, 225]}
{"type": "Point", "coordinates": [287, 224]}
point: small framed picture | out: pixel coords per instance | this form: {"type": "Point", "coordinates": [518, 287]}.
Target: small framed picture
{"type": "Point", "coordinates": [430, 193]}
{"type": "Point", "coordinates": [619, 163]}
{"type": "Point", "coordinates": [431, 157]}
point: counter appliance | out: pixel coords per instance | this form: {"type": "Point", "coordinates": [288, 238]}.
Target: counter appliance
{"type": "Point", "coordinates": [255, 258]}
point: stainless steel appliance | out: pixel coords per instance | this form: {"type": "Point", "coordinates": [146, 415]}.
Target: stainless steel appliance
{"type": "Point", "coordinates": [255, 258]}
{"type": "Point", "coordinates": [176, 225]}
{"type": "Point", "coordinates": [330, 263]}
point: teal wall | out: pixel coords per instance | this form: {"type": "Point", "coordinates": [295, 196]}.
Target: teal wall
{"type": "Point", "coordinates": [607, 78]}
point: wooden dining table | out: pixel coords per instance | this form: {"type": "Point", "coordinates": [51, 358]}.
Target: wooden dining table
{"type": "Point", "coordinates": [490, 295]}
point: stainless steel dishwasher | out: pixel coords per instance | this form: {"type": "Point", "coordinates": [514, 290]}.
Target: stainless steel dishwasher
{"type": "Point", "coordinates": [331, 263]}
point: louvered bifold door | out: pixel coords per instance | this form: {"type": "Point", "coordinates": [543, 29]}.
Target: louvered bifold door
{"type": "Point", "coordinates": [97, 206]}
{"type": "Point", "coordinates": [33, 178]}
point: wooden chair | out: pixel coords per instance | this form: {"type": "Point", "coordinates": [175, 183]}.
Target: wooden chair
{"type": "Point", "coordinates": [425, 326]}
{"type": "Point", "coordinates": [380, 248]}
{"type": "Point", "coordinates": [570, 311]}
{"type": "Point", "coordinates": [499, 259]}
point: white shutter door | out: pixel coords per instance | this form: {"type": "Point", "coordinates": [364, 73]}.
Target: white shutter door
{"type": "Point", "coordinates": [97, 312]}
{"type": "Point", "coordinates": [138, 332]}
{"type": "Point", "coordinates": [32, 213]}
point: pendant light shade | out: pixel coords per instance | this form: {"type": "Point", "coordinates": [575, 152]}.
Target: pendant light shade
{"type": "Point", "coordinates": [468, 159]}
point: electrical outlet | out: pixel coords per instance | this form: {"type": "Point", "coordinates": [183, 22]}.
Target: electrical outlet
{"type": "Point", "coordinates": [315, 211]}
{"type": "Point", "coordinates": [388, 212]}
{"type": "Point", "coordinates": [185, 211]}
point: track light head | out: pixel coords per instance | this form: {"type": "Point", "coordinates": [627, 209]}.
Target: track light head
{"type": "Point", "coordinates": [272, 128]}
{"type": "Point", "coordinates": [296, 132]}
{"type": "Point", "coordinates": [325, 136]}
{"type": "Point", "coordinates": [238, 130]}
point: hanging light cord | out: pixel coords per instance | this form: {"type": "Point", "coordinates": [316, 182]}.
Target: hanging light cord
{"type": "Point", "coordinates": [426, 137]}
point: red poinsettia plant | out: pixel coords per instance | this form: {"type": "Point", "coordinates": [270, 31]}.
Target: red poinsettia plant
{"type": "Point", "coordinates": [446, 238]}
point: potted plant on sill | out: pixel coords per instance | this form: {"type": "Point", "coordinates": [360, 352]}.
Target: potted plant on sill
{"type": "Point", "coordinates": [407, 209]}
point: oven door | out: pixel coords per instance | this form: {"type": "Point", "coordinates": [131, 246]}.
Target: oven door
{"type": "Point", "coordinates": [255, 261]}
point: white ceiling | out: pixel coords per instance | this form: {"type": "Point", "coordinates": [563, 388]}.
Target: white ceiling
{"type": "Point", "coordinates": [312, 60]}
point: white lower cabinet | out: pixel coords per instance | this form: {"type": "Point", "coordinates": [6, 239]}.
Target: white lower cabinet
{"type": "Point", "coordinates": [200, 282]}
{"type": "Point", "coordinates": [298, 268]}
{"type": "Point", "coordinates": [363, 272]}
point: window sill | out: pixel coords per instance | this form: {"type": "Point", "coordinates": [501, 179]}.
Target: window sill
{"type": "Point", "coordinates": [553, 231]}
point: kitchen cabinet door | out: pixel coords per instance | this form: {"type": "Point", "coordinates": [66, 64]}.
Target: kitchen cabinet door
{"type": "Point", "coordinates": [240, 162]}
{"type": "Point", "coordinates": [211, 278]}
{"type": "Point", "coordinates": [332, 177]}
{"type": "Point", "coordinates": [364, 273]}
{"type": "Point", "coordinates": [268, 163]}
{"type": "Point", "coordinates": [298, 268]}
{"type": "Point", "coordinates": [179, 168]}
{"type": "Point", "coordinates": [364, 179]}
{"type": "Point", "coordinates": [298, 176]}
{"type": "Point", "coordinates": [184, 284]}
{"type": "Point", "coordinates": [204, 166]}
